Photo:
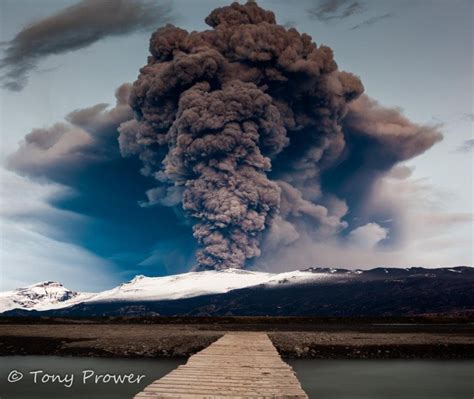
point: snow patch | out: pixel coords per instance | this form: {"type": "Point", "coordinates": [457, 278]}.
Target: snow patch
{"type": "Point", "coordinates": [41, 296]}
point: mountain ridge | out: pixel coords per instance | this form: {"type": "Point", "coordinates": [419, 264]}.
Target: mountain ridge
{"type": "Point", "coordinates": [244, 292]}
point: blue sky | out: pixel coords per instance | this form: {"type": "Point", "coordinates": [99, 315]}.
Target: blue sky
{"type": "Point", "coordinates": [419, 57]}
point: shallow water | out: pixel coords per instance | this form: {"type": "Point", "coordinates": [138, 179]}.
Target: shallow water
{"type": "Point", "coordinates": [321, 379]}
{"type": "Point", "coordinates": [386, 379]}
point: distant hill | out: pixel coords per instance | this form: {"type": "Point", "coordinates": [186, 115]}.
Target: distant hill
{"type": "Point", "coordinates": [310, 292]}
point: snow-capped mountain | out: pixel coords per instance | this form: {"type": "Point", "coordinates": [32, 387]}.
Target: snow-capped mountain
{"type": "Point", "coordinates": [52, 295]}
{"type": "Point", "coordinates": [314, 291]}
{"type": "Point", "coordinates": [41, 296]}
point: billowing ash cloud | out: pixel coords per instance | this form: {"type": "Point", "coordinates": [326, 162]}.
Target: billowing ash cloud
{"type": "Point", "coordinates": [88, 136]}
{"type": "Point", "coordinates": [251, 129]}
{"type": "Point", "coordinates": [376, 139]}
{"type": "Point", "coordinates": [214, 111]}
{"type": "Point", "coordinates": [246, 122]}
{"type": "Point", "coordinates": [73, 28]}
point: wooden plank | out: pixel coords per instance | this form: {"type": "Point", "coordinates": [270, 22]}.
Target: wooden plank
{"type": "Point", "coordinates": [238, 365]}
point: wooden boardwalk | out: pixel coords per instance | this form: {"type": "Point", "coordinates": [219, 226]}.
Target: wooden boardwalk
{"type": "Point", "coordinates": [238, 365]}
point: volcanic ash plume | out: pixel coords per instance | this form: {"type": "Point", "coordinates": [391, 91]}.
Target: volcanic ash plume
{"type": "Point", "coordinates": [229, 117]}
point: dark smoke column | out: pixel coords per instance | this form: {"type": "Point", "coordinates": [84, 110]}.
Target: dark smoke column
{"type": "Point", "coordinates": [215, 109]}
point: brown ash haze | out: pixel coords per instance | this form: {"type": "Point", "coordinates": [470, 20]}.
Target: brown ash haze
{"type": "Point", "coordinates": [250, 128]}
{"type": "Point", "coordinates": [241, 121]}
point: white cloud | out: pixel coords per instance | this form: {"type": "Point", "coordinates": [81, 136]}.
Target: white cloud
{"type": "Point", "coordinates": [28, 254]}
{"type": "Point", "coordinates": [368, 236]}
{"type": "Point", "coordinates": [427, 233]}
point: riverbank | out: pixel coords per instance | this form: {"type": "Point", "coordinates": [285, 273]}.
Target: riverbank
{"type": "Point", "coordinates": [318, 339]}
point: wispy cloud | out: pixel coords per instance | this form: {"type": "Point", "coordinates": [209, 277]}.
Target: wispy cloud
{"type": "Point", "coordinates": [468, 116]}
{"type": "Point", "coordinates": [372, 21]}
{"type": "Point", "coordinates": [74, 28]}
{"type": "Point", "coordinates": [328, 10]}
{"type": "Point", "coordinates": [466, 147]}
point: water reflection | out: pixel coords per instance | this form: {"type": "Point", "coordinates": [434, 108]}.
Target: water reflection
{"type": "Point", "coordinates": [386, 379]}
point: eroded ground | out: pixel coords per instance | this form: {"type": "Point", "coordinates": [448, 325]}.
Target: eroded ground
{"type": "Point", "coordinates": [309, 340]}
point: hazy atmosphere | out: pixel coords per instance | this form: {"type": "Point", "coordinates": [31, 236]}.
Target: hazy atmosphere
{"type": "Point", "coordinates": [329, 133]}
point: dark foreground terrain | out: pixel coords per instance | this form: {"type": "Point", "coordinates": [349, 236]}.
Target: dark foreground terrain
{"type": "Point", "coordinates": [323, 338]}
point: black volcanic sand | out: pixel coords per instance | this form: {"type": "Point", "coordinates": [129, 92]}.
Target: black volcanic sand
{"type": "Point", "coordinates": [293, 337]}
